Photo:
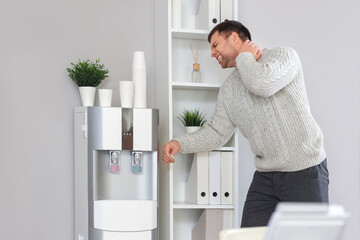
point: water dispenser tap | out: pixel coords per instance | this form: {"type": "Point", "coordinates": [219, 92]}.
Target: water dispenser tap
{"type": "Point", "coordinates": [136, 162]}
{"type": "Point", "coordinates": [114, 161]}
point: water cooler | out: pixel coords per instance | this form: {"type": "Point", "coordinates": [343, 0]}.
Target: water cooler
{"type": "Point", "coordinates": [116, 173]}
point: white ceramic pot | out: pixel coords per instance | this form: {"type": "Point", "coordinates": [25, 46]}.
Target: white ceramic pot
{"type": "Point", "coordinates": [191, 129]}
{"type": "Point", "coordinates": [87, 96]}
{"type": "Point", "coordinates": [105, 97]}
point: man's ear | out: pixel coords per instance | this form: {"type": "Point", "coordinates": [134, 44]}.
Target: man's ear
{"type": "Point", "coordinates": [235, 37]}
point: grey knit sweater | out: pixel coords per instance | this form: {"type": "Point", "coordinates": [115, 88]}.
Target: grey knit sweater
{"type": "Point", "coordinates": [267, 101]}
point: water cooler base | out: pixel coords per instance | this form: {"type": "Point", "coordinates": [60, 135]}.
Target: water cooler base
{"type": "Point", "coordinates": [96, 234]}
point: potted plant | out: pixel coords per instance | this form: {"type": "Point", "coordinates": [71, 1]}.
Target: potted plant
{"type": "Point", "coordinates": [192, 119]}
{"type": "Point", "coordinates": [87, 76]}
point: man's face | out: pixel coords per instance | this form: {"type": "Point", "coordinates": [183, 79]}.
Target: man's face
{"type": "Point", "coordinates": [223, 49]}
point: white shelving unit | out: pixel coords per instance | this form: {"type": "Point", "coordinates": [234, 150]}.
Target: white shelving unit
{"type": "Point", "coordinates": [175, 92]}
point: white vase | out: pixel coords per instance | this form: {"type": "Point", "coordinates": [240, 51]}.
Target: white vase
{"type": "Point", "coordinates": [87, 96]}
{"type": "Point", "coordinates": [190, 8]}
{"type": "Point", "coordinates": [191, 129]}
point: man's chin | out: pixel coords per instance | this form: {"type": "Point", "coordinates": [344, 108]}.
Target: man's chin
{"type": "Point", "coordinates": [224, 66]}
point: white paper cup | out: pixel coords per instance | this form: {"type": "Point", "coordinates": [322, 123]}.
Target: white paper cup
{"type": "Point", "coordinates": [139, 60]}
{"type": "Point", "coordinates": [126, 89]}
{"type": "Point", "coordinates": [105, 97]}
{"type": "Point", "coordinates": [139, 75]}
{"type": "Point", "coordinates": [139, 95]}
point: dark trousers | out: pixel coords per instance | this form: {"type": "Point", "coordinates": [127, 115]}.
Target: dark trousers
{"type": "Point", "coordinates": [269, 188]}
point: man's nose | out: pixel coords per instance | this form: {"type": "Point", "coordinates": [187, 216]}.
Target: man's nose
{"type": "Point", "coordinates": [212, 53]}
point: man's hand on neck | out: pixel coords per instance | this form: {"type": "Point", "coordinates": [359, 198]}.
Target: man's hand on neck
{"type": "Point", "coordinates": [248, 46]}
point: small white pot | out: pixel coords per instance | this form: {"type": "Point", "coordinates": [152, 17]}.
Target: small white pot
{"type": "Point", "coordinates": [191, 129]}
{"type": "Point", "coordinates": [105, 97]}
{"type": "Point", "coordinates": [87, 96]}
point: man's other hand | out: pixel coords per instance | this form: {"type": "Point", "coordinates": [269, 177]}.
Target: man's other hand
{"type": "Point", "coordinates": [171, 148]}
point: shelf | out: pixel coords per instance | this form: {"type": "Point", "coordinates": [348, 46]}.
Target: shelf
{"type": "Point", "coordinates": [226, 149]}
{"type": "Point", "coordinates": [196, 86]}
{"type": "Point", "coordinates": [188, 205]}
{"type": "Point", "coordinates": [223, 149]}
{"type": "Point", "coordinates": [190, 34]}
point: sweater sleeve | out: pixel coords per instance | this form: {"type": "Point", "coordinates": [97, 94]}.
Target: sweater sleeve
{"type": "Point", "coordinates": [212, 135]}
{"type": "Point", "coordinates": [270, 73]}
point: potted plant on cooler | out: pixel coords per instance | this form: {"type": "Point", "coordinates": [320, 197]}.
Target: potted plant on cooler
{"type": "Point", "coordinates": [192, 119]}
{"type": "Point", "coordinates": [87, 76]}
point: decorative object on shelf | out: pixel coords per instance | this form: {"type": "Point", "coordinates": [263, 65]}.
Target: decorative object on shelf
{"type": "Point", "coordinates": [105, 97]}
{"type": "Point", "coordinates": [196, 75]}
{"type": "Point", "coordinates": [192, 120]}
{"type": "Point", "coordinates": [176, 13]}
{"type": "Point", "coordinates": [126, 89]}
{"type": "Point", "coordinates": [87, 76]}
{"type": "Point", "coordinates": [139, 79]}
{"type": "Point", "coordinates": [191, 129]}
{"type": "Point", "coordinates": [190, 8]}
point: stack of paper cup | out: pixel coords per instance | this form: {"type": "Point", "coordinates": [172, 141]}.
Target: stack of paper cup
{"type": "Point", "coordinates": [139, 80]}
{"type": "Point", "coordinates": [126, 89]}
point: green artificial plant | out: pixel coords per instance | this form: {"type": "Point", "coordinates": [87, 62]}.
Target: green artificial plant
{"type": "Point", "coordinates": [192, 118]}
{"type": "Point", "coordinates": [87, 73]}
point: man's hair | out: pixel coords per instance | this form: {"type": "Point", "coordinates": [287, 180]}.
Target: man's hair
{"type": "Point", "coordinates": [228, 27]}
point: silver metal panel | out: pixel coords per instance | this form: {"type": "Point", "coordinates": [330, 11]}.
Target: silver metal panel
{"type": "Point", "coordinates": [124, 185]}
{"type": "Point", "coordinates": [104, 128]}
{"type": "Point", "coordinates": [127, 129]}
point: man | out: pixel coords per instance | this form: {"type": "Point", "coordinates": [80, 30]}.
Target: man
{"type": "Point", "coordinates": [265, 97]}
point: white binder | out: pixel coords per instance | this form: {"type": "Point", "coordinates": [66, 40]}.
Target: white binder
{"type": "Point", "coordinates": [228, 219]}
{"type": "Point", "coordinates": [197, 185]}
{"type": "Point", "coordinates": [226, 177]}
{"type": "Point", "coordinates": [208, 226]}
{"type": "Point", "coordinates": [214, 13]}
{"type": "Point", "coordinates": [214, 177]}
{"type": "Point", "coordinates": [226, 12]}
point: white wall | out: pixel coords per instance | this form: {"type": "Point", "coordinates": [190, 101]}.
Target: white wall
{"type": "Point", "coordinates": [326, 35]}
{"type": "Point", "coordinates": [38, 40]}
